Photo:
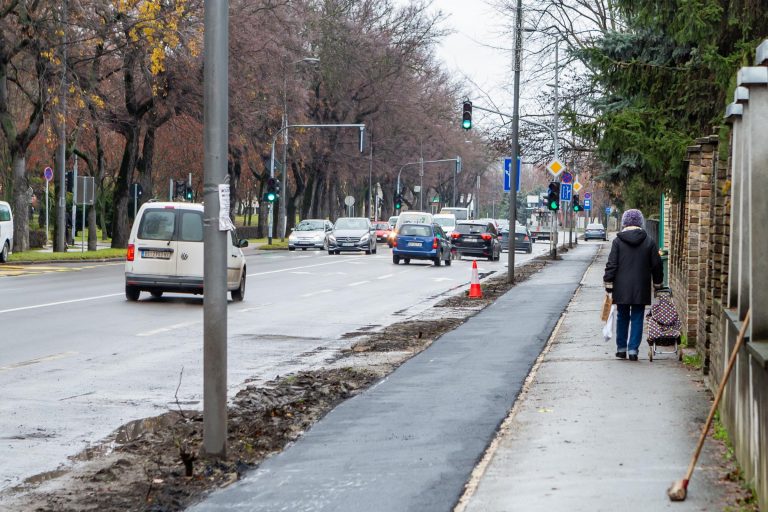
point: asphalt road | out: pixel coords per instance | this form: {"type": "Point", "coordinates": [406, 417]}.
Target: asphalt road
{"type": "Point", "coordinates": [77, 360]}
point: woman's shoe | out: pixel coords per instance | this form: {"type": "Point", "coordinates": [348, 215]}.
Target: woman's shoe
{"type": "Point", "coordinates": [633, 357]}
{"type": "Point", "coordinates": [622, 355]}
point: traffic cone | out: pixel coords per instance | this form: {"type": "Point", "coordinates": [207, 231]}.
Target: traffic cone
{"type": "Point", "coordinates": [475, 292]}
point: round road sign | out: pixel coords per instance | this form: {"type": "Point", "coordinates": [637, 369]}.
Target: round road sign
{"type": "Point", "coordinates": [566, 178]}
{"type": "Point", "coordinates": [48, 173]}
{"type": "Point", "coordinates": [587, 195]}
{"type": "Point", "coordinates": [349, 201]}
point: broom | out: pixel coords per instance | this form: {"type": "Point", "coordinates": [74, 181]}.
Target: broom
{"type": "Point", "coordinates": [679, 489]}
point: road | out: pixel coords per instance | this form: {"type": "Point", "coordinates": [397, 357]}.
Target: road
{"type": "Point", "coordinates": [78, 360]}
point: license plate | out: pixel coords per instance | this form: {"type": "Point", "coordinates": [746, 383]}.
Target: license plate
{"type": "Point", "coordinates": [471, 239]}
{"type": "Point", "coordinates": [348, 244]}
{"type": "Point", "coordinates": [158, 255]}
{"type": "Point", "coordinates": [414, 244]}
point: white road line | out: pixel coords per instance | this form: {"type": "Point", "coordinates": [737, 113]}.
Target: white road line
{"type": "Point", "coordinates": [52, 357]}
{"type": "Point", "coordinates": [49, 304]}
{"type": "Point", "coordinates": [358, 283]}
{"type": "Point", "coordinates": [166, 329]}
{"type": "Point", "coordinates": [320, 292]}
{"type": "Point", "coordinates": [254, 308]}
{"type": "Point", "coordinates": [439, 279]}
{"type": "Point", "coordinates": [290, 269]}
{"type": "Point", "coordinates": [385, 277]}
{"type": "Point", "coordinates": [301, 273]}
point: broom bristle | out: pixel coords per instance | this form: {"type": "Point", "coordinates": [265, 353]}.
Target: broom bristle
{"type": "Point", "coordinates": [678, 491]}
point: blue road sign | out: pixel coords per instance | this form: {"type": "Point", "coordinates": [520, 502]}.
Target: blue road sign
{"type": "Point", "coordinates": [607, 210]}
{"type": "Point", "coordinates": [565, 191]}
{"type": "Point", "coordinates": [587, 195]}
{"type": "Point", "coordinates": [507, 165]}
{"type": "Point", "coordinates": [566, 177]}
{"type": "Point", "coordinates": [587, 204]}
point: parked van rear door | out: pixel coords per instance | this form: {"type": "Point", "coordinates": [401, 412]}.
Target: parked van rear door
{"type": "Point", "coordinates": [189, 261]}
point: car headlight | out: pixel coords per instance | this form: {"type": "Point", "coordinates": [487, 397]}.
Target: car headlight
{"type": "Point", "coordinates": [292, 237]}
{"type": "Point", "coordinates": [365, 237]}
{"type": "Point", "coordinates": [318, 238]}
{"type": "Point", "coordinates": [332, 239]}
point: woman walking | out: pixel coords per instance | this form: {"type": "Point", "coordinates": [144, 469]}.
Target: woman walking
{"type": "Point", "coordinates": [633, 263]}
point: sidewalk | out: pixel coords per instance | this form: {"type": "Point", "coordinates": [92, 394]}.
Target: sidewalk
{"type": "Point", "coordinates": [411, 442]}
{"type": "Point", "coordinates": [595, 433]}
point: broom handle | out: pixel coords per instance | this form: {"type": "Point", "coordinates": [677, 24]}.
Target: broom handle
{"type": "Point", "coordinates": [719, 395]}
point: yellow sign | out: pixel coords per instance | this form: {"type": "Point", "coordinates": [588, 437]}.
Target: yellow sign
{"type": "Point", "coordinates": [577, 186]}
{"type": "Point", "coordinates": [555, 167]}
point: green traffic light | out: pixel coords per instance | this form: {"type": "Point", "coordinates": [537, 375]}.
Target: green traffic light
{"type": "Point", "coordinates": [466, 124]}
{"type": "Point", "coordinates": [271, 197]}
{"type": "Point", "coordinates": [553, 205]}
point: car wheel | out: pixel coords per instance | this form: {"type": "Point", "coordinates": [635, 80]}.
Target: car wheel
{"type": "Point", "coordinates": [368, 251]}
{"type": "Point", "coordinates": [530, 249]}
{"type": "Point", "coordinates": [605, 239]}
{"type": "Point", "coordinates": [325, 246]}
{"type": "Point", "coordinates": [291, 248]}
{"type": "Point", "coordinates": [156, 294]}
{"type": "Point", "coordinates": [448, 261]}
{"type": "Point", "coordinates": [4, 253]}
{"type": "Point", "coordinates": [374, 249]}
{"type": "Point", "coordinates": [330, 252]}
{"type": "Point", "coordinates": [395, 259]}
{"type": "Point", "coordinates": [438, 260]}
{"type": "Point", "coordinates": [132, 293]}
{"type": "Point", "coordinates": [407, 261]}
{"type": "Point", "coordinates": [239, 294]}
{"type": "Point", "coordinates": [303, 248]}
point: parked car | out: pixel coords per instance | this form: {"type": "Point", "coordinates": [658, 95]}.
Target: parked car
{"type": "Point", "coordinates": [6, 231]}
{"type": "Point", "coordinates": [522, 239]}
{"type": "Point", "coordinates": [310, 233]}
{"type": "Point", "coordinates": [475, 238]}
{"type": "Point", "coordinates": [596, 231]}
{"type": "Point", "coordinates": [382, 231]}
{"type": "Point", "coordinates": [165, 252]}
{"type": "Point", "coordinates": [352, 234]}
{"type": "Point", "coordinates": [422, 242]}
{"type": "Point", "coordinates": [447, 221]}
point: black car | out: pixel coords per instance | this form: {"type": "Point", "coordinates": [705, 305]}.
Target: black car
{"type": "Point", "coordinates": [523, 240]}
{"type": "Point", "coordinates": [596, 231]}
{"type": "Point", "coordinates": [477, 238]}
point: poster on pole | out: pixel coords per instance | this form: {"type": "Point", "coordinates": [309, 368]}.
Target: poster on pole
{"type": "Point", "coordinates": [225, 223]}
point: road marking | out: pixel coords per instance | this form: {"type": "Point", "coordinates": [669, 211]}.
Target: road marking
{"type": "Point", "coordinates": [312, 294]}
{"type": "Point", "coordinates": [439, 279]}
{"type": "Point", "coordinates": [385, 277]}
{"type": "Point", "coordinates": [53, 357]}
{"type": "Point", "coordinates": [294, 268]}
{"type": "Point", "coordinates": [358, 283]}
{"type": "Point", "coordinates": [59, 303]}
{"type": "Point", "coordinates": [302, 273]}
{"type": "Point", "coordinates": [166, 329]}
{"type": "Point", "coordinates": [253, 308]}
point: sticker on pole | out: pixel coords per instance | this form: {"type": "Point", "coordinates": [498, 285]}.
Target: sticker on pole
{"type": "Point", "coordinates": [577, 186]}
{"type": "Point", "coordinates": [225, 223]}
{"type": "Point", "coordinates": [48, 173]}
{"type": "Point", "coordinates": [555, 167]}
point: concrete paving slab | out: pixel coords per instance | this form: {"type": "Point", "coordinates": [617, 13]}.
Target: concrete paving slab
{"type": "Point", "coordinates": [412, 441]}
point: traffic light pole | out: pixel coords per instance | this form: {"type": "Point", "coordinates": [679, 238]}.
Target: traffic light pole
{"type": "Point", "coordinates": [515, 143]}
{"type": "Point", "coordinates": [282, 214]}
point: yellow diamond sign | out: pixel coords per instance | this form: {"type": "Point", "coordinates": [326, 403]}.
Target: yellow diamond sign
{"type": "Point", "coordinates": [555, 167]}
{"type": "Point", "coordinates": [577, 186]}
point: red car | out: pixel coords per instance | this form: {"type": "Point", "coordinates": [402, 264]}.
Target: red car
{"type": "Point", "coordinates": [382, 231]}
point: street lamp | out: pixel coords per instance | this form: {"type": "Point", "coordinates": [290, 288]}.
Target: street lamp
{"type": "Point", "coordinates": [284, 179]}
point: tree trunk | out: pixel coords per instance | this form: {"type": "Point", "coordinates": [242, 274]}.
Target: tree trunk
{"type": "Point", "coordinates": [145, 166]}
{"type": "Point", "coordinates": [21, 200]}
{"type": "Point", "coordinates": [120, 224]}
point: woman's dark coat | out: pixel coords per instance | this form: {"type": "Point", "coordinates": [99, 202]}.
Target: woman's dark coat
{"type": "Point", "coordinates": [634, 260]}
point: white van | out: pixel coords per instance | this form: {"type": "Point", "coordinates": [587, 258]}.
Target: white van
{"type": "Point", "coordinates": [461, 213]}
{"type": "Point", "coordinates": [6, 231]}
{"type": "Point", "coordinates": [412, 217]}
{"type": "Point", "coordinates": [165, 252]}
{"type": "Point", "coordinates": [447, 221]}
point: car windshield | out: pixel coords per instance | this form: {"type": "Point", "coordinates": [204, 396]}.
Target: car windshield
{"type": "Point", "coordinates": [382, 225]}
{"type": "Point", "coordinates": [445, 221]}
{"type": "Point", "coordinates": [469, 229]}
{"type": "Point", "coordinates": [346, 223]}
{"type": "Point", "coordinates": [311, 225]}
{"type": "Point", "coordinates": [415, 230]}
{"type": "Point", "coordinates": [595, 226]}
{"type": "Point", "coordinates": [459, 213]}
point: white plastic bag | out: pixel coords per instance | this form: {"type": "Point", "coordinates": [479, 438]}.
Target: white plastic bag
{"type": "Point", "coordinates": [608, 327]}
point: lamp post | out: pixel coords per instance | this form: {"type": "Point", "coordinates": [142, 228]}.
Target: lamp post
{"type": "Point", "coordinates": [284, 178]}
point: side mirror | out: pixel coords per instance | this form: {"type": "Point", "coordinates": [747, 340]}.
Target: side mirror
{"type": "Point", "coordinates": [242, 243]}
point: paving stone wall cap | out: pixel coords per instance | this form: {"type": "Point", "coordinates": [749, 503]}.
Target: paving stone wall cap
{"type": "Point", "coordinates": [732, 111]}
{"type": "Point", "coordinates": [761, 55]}
{"type": "Point", "coordinates": [752, 76]}
{"type": "Point", "coordinates": [741, 95]}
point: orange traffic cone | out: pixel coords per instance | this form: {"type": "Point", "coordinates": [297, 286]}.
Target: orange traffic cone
{"type": "Point", "coordinates": [475, 292]}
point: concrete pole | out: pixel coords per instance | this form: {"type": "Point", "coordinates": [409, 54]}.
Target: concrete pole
{"type": "Point", "coordinates": [515, 142]}
{"type": "Point", "coordinates": [61, 151]}
{"type": "Point", "coordinates": [216, 119]}
{"type": "Point", "coordinates": [74, 201]}
{"type": "Point", "coordinates": [733, 116]}
{"type": "Point", "coordinates": [283, 215]}
{"type": "Point", "coordinates": [421, 185]}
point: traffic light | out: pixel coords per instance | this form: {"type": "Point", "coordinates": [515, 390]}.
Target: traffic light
{"type": "Point", "coordinates": [69, 179]}
{"type": "Point", "coordinates": [576, 204]}
{"type": "Point", "coordinates": [188, 192]}
{"type": "Point", "coordinates": [180, 188]}
{"type": "Point", "coordinates": [553, 196]}
{"type": "Point", "coordinates": [398, 201]}
{"type": "Point", "coordinates": [466, 115]}
{"type": "Point", "coordinates": [272, 190]}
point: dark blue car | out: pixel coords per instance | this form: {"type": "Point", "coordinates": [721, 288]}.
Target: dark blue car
{"type": "Point", "coordinates": [421, 242]}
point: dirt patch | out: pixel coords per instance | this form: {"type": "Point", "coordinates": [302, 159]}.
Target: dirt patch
{"type": "Point", "coordinates": [154, 464]}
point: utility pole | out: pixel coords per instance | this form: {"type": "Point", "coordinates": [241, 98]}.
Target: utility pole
{"type": "Point", "coordinates": [215, 222]}
{"type": "Point", "coordinates": [61, 151]}
{"type": "Point", "coordinates": [515, 143]}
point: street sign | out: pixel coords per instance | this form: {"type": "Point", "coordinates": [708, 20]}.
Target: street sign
{"type": "Point", "coordinates": [349, 200]}
{"type": "Point", "coordinates": [607, 210]}
{"type": "Point", "coordinates": [555, 167]}
{"type": "Point", "coordinates": [566, 178]}
{"type": "Point", "coordinates": [85, 190]}
{"type": "Point", "coordinates": [507, 165]}
{"type": "Point", "coordinates": [587, 204]}
{"type": "Point", "coordinates": [577, 186]}
{"type": "Point", "coordinates": [587, 195]}
{"type": "Point", "coordinates": [565, 192]}
{"type": "Point", "coordinates": [48, 173]}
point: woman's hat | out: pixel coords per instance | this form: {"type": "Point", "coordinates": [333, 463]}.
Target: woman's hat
{"type": "Point", "coordinates": [632, 218]}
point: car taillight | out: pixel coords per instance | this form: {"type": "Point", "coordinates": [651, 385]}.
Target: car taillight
{"type": "Point", "coordinates": [394, 242]}
{"type": "Point", "coordinates": [455, 235]}
{"type": "Point", "coordinates": [435, 243]}
{"type": "Point", "coordinates": [525, 238]}
{"type": "Point", "coordinates": [486, 236]}
{"type": "Point", "coordinates": [131, 252]}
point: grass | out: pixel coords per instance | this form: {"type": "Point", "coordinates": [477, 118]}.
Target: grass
{"type": "Point", "coordinates": [261, 243]}
{"type": "Point", "coordinates": [37, 256]}
{"type": "Point", "coordinates": [747, 502]}
{"type": "Point", "coordinates": [694, 360]}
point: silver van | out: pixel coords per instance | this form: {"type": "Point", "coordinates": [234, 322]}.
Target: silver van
{"type": "Point", "coordinates": [6, 231]}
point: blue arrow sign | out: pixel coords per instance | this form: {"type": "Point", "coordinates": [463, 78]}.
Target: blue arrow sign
{"type": "Point", "coordinates": [587, 204]}
{"type": "Point", "coordinates": [607, 210]}
{"type": "Point", "coordinates": [565, 191]}
{"type": "Point", "coordinates": [507, 165]}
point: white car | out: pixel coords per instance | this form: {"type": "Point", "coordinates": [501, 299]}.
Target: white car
{"type": "Point", "coordinates": [310, 233]}
{"type": "Point", "coordinates": [6, 231]}
{"type": "Point", "coordinates": [447, 221]}
{"type": "Point", "coordinates": [165, 252]}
